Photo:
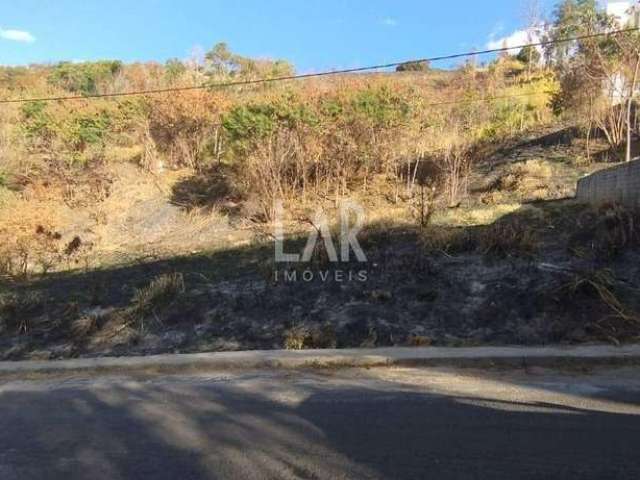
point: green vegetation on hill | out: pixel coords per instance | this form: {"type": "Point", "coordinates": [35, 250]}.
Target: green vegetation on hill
{"type": "Point", "coordinates": [316, 138]}
{"type": "Point", "coordinates": [84, 77]}
{"type": "Point", "coordinates": [137, 223]}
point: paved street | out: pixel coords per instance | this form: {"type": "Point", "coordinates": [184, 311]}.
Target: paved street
{"type": "Point", "coordinates": [378, 423]}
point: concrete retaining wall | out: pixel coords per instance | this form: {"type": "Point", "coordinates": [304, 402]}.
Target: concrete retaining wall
{"type": "Point", "coordinates": [616, 184]}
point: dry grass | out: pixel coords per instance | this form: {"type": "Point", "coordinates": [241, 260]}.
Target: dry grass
{"type": "Point", "coordinates": [383, 129]}
{"type": "Point", "coordinates": [295, 338]}
{"type": "Point", "coordinates": [503, 239]}
{"type": "Point", "coordinates": [622, 228]}
{"type": "Point", "coordinates": [84, 326]}
{"type": "Point", "coordinates": [474, 216]}
{"type": "Point", "coordinates": [528, 180]}
{"type": "Point", "coordinates": [119, 154]}
{"type": "Point", "coordinates": [447, 240]}
{"type": "Point", "coordinates": [17, 312]}
{"type": "Point", "coordinates": [607, 232]}
{"type": "Point", "coordinates": [494, 198]}
{"type": "Point", "coordinates": [139, 218]}
{"type": "Point", "coordinates": [158, 294]}
{"type": "Point", "coordinates": [600, 284]}
{"type": "Point", "coordinates": [136, 219]}
{"type": "Point", "coordinates": [506, 239]}
{"type": "Point", "coordinates": [302, 337]}
{"type": "Point", "coordinates": [23, 246]}
{"type": "Point", "coordinates": [419, 341]}
{"type": "Point", "coordinates": [126, 324]}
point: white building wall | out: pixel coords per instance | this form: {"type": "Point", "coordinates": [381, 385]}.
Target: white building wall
{"type": "Point", "coordinates": [618, 9]}
{"type": "Point", "coordinates": [628, 15]}
{"type": "Point", "coordinates": [627, 12]}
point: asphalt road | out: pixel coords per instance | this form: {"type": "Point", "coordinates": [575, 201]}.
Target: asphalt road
{"type": "Point", "coordinates": [379, 423]}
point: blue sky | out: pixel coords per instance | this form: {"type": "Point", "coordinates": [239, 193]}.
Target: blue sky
{"type": "Point", "coordinates": [314, 35]}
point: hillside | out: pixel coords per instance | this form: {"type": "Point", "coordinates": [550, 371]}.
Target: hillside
{"type": "Point", "coordinates": [517, 262]}
{"type": "Point", "coordinates": [146, 223]}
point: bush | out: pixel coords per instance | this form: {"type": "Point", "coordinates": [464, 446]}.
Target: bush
{"type": "Point", "coordinates": [600, 285]}
{"type": "Point", "coordinates": [174, 69]}
{"type": "Point", "coordinates": [414, 67]}
{"type": "Point", "coordinates": [253, 122]}
{"type": "Point", "coordinates": [182, 129]}
{"type": "Point", "coordinates": [84, 78]}
{"type": "Point", "coordinates": [158, 294]}
{"type": "Point", "coordinates": [70, 132]}
{"type": "Point", "coordinates": [247, 123]}
{"type": "Point", "coordinates": [37, 124]}
{"type": "Point", "coordinates": [606, 232]}
{"type": "Point", "coordinates": [310, 337]}
{"type": "Point", "coordinates": [222, 62]}
{"type": "Point", "coordinates": [447, 240]}
{"type": "Point", "coordinates": [16, 309]}
{"type": "Point", "coordinates": [529, 56]}
{"type": "Point", "coordinates": [508, 239]}
{"type": "Point", "coordinates": [380, 106]}
{"type": "Point", "coordinates": [85, 130]}
{"type": "Point", "coordinates": [322, 137]}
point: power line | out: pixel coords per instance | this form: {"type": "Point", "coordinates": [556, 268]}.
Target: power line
{"type": "Point", "coordinates": [314, 75]}
{"type": "Point", "coordinates": [543, 43]}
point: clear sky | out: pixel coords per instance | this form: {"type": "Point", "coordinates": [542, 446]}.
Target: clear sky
{"type": "Point", "coordinates": [313, 34]}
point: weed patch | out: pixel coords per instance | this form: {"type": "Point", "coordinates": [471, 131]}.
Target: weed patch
{"type": "Point", "coordinates": [304, 337]}
{"type": "Point", "coordinates": [508, 239]}
{"type": "Point", "coordinates": [160, 293]}
{"type": "Point", "coordinates": [606, 233]}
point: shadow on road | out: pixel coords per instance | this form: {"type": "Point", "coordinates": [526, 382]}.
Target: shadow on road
{"type": "Point", "coordinates": [184, 429]}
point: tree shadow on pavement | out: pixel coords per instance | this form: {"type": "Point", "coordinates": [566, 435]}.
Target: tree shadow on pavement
{"type": "Point", "coordinates": [184, 429]}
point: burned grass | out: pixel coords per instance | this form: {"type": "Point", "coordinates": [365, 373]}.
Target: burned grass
{"type": "Point", "coordinates": [514, 281]}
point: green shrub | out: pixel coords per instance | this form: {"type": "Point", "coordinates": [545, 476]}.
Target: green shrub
{"type": "Point", "coordinates": [84, 77]}
{"type": "Point", "coordinates": [36, 123]}
{"type": "Point", "coordinates": [249, 121]}
{"type": "Point", "coordinates": [529, 56]}
{"type": "Point", "coordinates": [413, 67]}
{"type": "Point", "coordinates": [246, 123]}
{"type": "Point", "coordinates": [89, 130]}
{"type": "Point", "coordinates": [174, 69]}
{"type": "Point", "coordinates": [221, 61]}
{"type": "Point", "coordinates": [332, 107]}
{"type": "Point", "coordinates": [380, 106]}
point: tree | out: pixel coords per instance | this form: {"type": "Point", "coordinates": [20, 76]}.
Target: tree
{"type": "Point", "coordinates": [532, 17]}
{"type": "Point", "coordinates": [529, 56]}
{"type": "Point", "coordinates": [572, 18]}
{"type": "Point", "coordinates": [174, 69]}
{"type": "Point", "coordinates": [599, 76]}
{"type": "Point", "coordinates": [417, 66]}
{"type": "Point", "coordinates": [86, 77]}
{"type": "Point", "coordinates": [221, 61]}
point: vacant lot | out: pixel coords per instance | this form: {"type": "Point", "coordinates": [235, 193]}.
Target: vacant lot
{"type": "Point", "coordinates": [527, 270]}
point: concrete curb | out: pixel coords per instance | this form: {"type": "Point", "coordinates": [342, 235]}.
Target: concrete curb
{"type": "Point", "coordinates": [583, 356]}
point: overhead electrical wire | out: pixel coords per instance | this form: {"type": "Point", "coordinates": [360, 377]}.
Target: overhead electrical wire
{"type": "Point", "coordinates": [206, 86]}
